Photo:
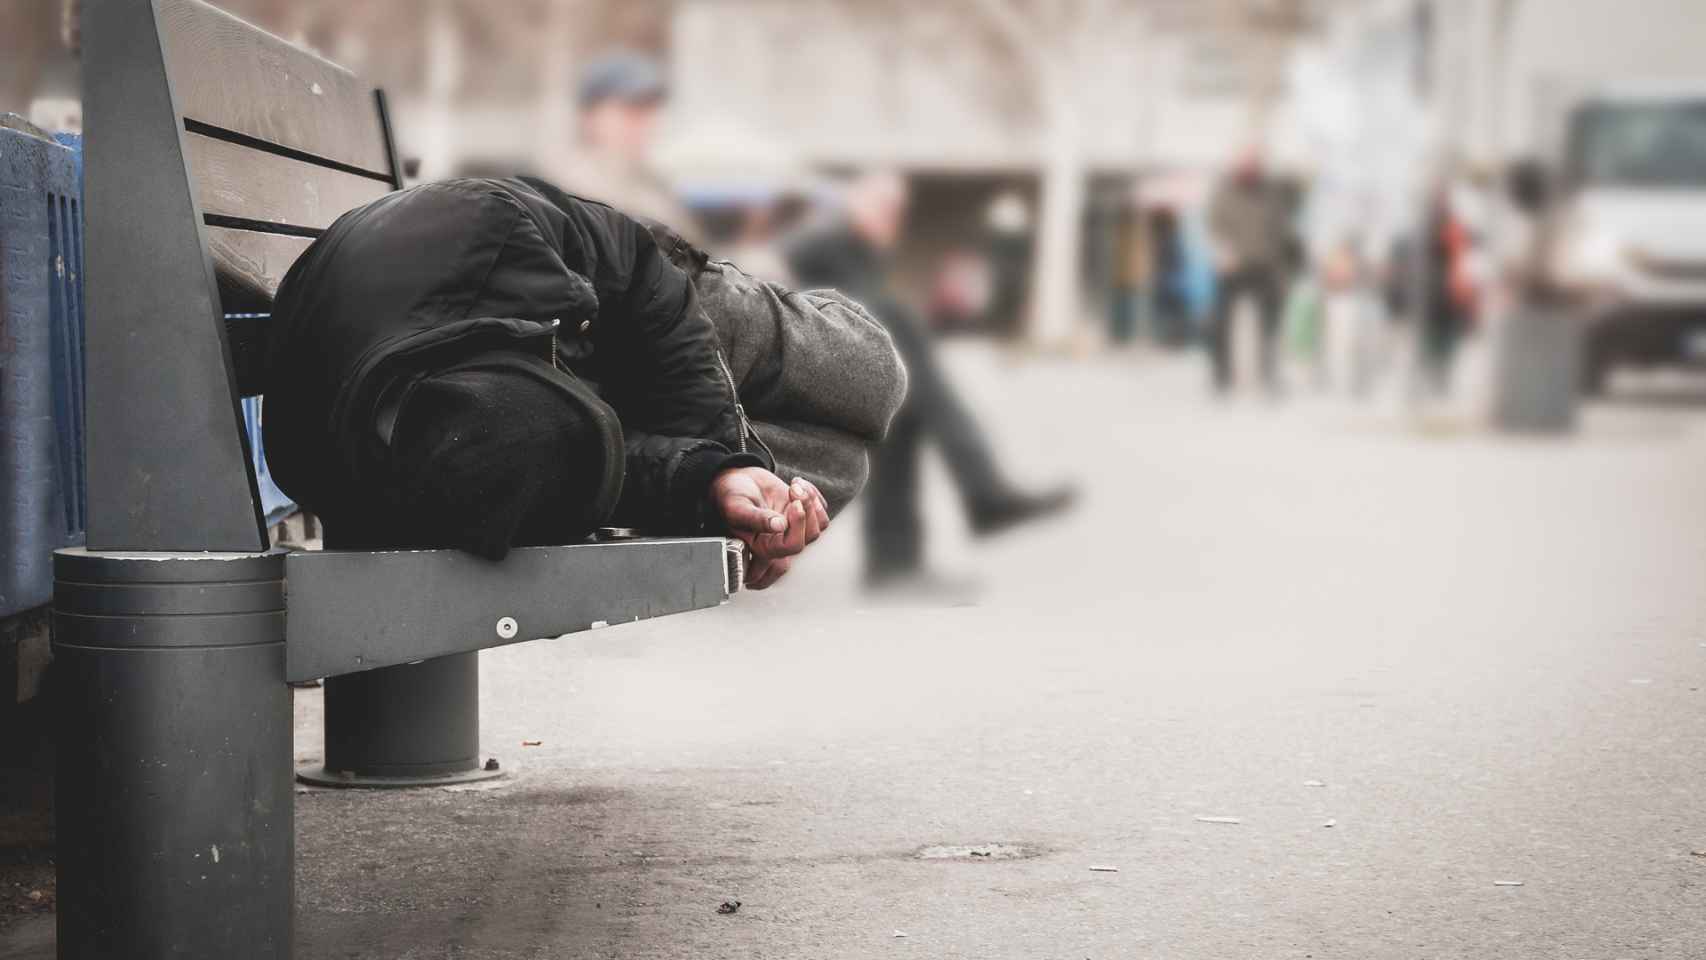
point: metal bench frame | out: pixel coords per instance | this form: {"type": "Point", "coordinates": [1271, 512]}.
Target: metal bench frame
{"type": "Point", "coordinates": [173, 635]}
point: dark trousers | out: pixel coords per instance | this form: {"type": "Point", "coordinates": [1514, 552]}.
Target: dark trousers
{"type": "Point", "coordinates": [1263, 284]}
{"type": "Point", "coordinates": [894, 525]}
{"type": "Point", "coordinates": [1442, 326]}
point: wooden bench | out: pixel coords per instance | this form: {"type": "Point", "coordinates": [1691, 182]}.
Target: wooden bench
{"type": "Point", "coordinates": [215, 153]}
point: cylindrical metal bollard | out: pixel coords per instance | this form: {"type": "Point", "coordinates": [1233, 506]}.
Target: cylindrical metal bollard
{"type": "Point", "coordinates": [174, 797]}
{"type": "Point", "coordinates": [412, 725]}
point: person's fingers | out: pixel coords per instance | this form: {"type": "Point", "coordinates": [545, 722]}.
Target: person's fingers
{"type": "Point", "coordinates": [771, 573]}
{"type": "Point", "coordinates": [756, 568]}
{"type": "Point", "coordinates": [764, 546]}
{"type": "Point", "coordinates": [800, 528]}
{"type": "Point", "coordinates": [774, 546]}
{"type": "Point", "coordinates": [758, 572]}
{"type": "Point", "coordinates": [803, 489]}
{"type": "Point", "coordinates": [810, 521]}
{"type": "Point", "coordinates": [804, 521]}
{"type": "Point", "coordinates": [743, 515]}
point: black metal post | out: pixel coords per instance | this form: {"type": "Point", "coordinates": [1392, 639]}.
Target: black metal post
{"type": "Point", "coordinates": [412, 725]}
{"type": "Point", "coordinates": [175, 802]}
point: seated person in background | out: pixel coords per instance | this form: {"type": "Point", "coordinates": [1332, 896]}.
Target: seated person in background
{"type": "Point", "coordinates": [484, 364]}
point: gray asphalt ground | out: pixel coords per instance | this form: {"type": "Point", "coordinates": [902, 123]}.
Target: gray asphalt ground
{"type": "Point", "coordinates": [1414, 661]}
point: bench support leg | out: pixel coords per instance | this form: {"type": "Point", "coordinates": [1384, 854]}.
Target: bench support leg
{"type": "Point", "coordinates": [407, 726]}
{"type": "Point", "coordinates": [174, 798]}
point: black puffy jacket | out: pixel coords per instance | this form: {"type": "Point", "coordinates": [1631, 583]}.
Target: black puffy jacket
{"type": "Point", "coordinates": [453, 273]}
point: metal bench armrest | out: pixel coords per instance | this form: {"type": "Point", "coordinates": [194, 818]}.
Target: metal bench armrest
{"type": "Point", "coordinates": [350, 611]}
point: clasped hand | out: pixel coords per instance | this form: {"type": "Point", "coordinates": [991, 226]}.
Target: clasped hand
{"type": "Point", "coordinates": [776, 520]}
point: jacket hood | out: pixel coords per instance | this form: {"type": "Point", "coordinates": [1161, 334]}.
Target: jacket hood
{"type": "Point", "coordinates": [394, 287]}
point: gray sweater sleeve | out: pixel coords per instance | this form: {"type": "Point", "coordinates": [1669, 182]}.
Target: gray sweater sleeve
{"type": "Point", "coordinates": [818, 376]}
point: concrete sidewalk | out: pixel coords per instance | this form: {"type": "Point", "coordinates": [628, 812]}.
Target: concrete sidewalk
{"type": "Point", "coordinates": [1413, 667]}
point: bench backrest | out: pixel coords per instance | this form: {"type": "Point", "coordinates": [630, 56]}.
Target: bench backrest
{"type": "Point", "coordinates": [215, 153]}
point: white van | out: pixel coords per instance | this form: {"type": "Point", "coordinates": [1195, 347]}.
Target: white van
{"type": "Point", "coordinates": [1625, 234]}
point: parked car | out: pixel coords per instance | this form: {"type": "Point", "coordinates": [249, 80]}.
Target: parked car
{"type": "Point", "coordinates": [1623, 215]}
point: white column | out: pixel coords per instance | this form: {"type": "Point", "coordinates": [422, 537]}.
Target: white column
{"type": "Point", "coordinates": [435, 134]}
{"type": "Point", "coordinates": [552, 129]}
{"type": "Point", "coordinates": [1056, 305]}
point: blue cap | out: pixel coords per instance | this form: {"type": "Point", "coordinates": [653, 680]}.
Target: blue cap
{"type": "Point", "coordinates": [628, 76]}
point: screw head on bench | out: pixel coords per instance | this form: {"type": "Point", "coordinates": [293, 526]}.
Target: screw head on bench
{"type": "Point", "coordinates": [507, 628]}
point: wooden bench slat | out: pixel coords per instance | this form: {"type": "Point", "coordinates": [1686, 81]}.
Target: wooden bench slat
{"type": "Point", "coordinates": [235, 181]}
{"type": "Point", "coordinates": [230, 74]}
{"type": "Point", "coordinates": [250, 265]}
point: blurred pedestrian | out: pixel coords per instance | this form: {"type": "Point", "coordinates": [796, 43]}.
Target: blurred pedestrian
{"type": "Point", "coordinates": [961, 290]}
{"type": "Point", "coordinates": [620, 100]}
{"type": "Point", "coordinates": [851, 254]}
{"type": "Point", "coordinates": [1342, 358]}
{"type": "Point", "coordinates": [1170, 312]}
{"type": "Point", "coordinates": [1008, 242]}
{"type": "Point", "coordinates": [755, 244]}
{"type": "Point", "coordinates": [1134, 275]}
{"type": "Point", "coordinates": [1449, 301]}
{"type": "Point", "coordinates": [1250, 230]}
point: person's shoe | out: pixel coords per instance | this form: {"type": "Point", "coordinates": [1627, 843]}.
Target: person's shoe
{"type": "Point", "coordinates": [1010, 509]}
